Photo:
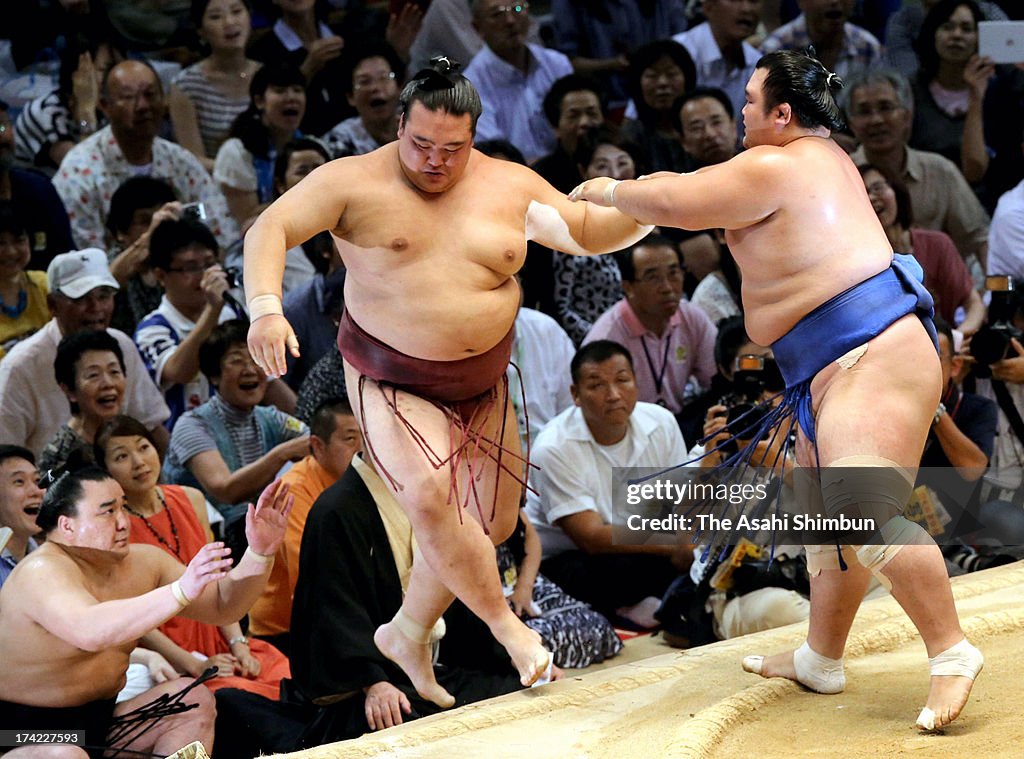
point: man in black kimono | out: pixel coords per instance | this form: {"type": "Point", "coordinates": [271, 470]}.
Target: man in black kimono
{"type": "Point", "coordinates": [356, 555]}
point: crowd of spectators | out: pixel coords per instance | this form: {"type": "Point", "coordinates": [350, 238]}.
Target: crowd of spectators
{"type": "Point", "coordinates": [135, 153]}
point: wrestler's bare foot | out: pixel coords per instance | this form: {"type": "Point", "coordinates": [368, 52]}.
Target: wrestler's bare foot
{"type": "Point", "coordinates": [415, 660]}
{"type": "Point", "coordinates": [529, 656]}
{"type": "Point", "coordinates": [805, 666]}
{"type": "Point", "coordinates": [946, 699]}
{"type": "Point", "coordinates": [949, 692]}
{"type": "Point", "coordinates": [779, 665]}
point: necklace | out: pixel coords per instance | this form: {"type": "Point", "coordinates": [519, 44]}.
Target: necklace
{"type": "Point", "coordinates": [176, 549]}
{"type": "Point", "coordinates": [16, 310]}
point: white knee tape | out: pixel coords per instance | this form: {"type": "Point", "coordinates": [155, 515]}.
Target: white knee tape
{"type": "Point", "coordinates": [817, 672]}
{"type": "Point", "coordinates": [893, 535]}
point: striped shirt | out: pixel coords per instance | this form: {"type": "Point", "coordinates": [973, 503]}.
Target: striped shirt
{"type": "Point", "coordinates": [42, 122]}
{"type": "Point", "coordinates": [191, 435]}
{"type": "Point", "coordinates": [214, 111]}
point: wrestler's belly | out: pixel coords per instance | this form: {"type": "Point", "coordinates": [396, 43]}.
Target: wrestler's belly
{"type": "Point", "coordinates": [772, 307]}
{"type": "Point", "coordinates": [65, 682]}
{"type": "Point", "coordinates": [436, 325]}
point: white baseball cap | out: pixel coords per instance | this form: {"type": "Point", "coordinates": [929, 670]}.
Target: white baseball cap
{"type": "Point", "coordinates": [76, 273]}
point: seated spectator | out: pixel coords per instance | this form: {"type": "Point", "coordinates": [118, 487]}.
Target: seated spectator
{"type": "Point", "coordinates": [512, 78]}
{"type": "Point", "coordinates": [904, 25]}
{"type": "Point", "coordinates": [945, 274]}
{"type": "Point", "coordinates": [36, 203]}
{"type": "Point", "coordinates": [23, 308]}
{"type": "Point", "coordinates": [574, 106]}
{"type": "Point", "coordinates": [572, 506]}
{"type": "Point", "coordinates": [295, 160]}
{"type": "Point", "coordinates": [374, 79]}
{"type": "Point", "coordinates": [357, 553]}
{"type": "Point", "coordinates": [718, 292]}
{"type": "Point", "coordinates": [720, 51]}
{"type": "Point", "coordinates": [132, 99]}
{"type": "Point", "coordinates": [89, 369]}
{"type": "Point", "coordinates": [842, 47]}
{"type": "Point", "coordinates": [597, 36]}
{"type": "Point", "coordinates": [183, 256]}
{"type": "Point", "coordinates": [671, 341]}
{"type": "Point", "coordinates": [447, 30]}
{"type": "Point", "coordinates": [32, 406]}
{"type": "Point", "coordinates": [879, 107]}
{"type": "Point", "coordinates": [658, 74]}
{"type": "Point", "coordinates": [334, 438]}
{"type": "Point", "coordinates": [206, 97]}
{"type": "Point", "coordinates": [706, 124]}
{"type": "Point", "coordinates": [20, 497]}
{"type": "Point", "coordinates": [49, 126]}
{"type": "Point", "coordinates": [586, 286]}
{"type": "Point", "coordinates": [244, 167]}
{"type": "Point", "coordinates": [539, 371]}
{"type": "Point", "coordinates": [69, 625]}
{"type": "Point", "coordinates": [302, 39]}
{"type": "Point", "coordinates": [174, 519]}
{"type": "Point", "coordinates": [325, 380]}
{"type": "Point", "coordinates": [576, 635]}
{"type": "Point", "coordinates": [950, 89]}
{"type": "Point", "coordinates": [231, 447]}
{"type": "Point", "coordinates": [138, 206]}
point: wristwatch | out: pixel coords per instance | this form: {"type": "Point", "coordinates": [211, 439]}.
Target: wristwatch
{"type": "Point", "coordinates": [938, 412]}
{"type": "Point", "coordinates": [238, 639]}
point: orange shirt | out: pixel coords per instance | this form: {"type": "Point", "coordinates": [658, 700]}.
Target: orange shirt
{"type": "Point", "coordinates": [272, 612]}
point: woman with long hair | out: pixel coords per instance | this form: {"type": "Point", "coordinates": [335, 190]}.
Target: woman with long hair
{"type": "Point", "coordinates": [244, 167]}
{"type": "Point", "coordinates": [174, 519]}
{"type": "Point", "coordinates": [206, 97]}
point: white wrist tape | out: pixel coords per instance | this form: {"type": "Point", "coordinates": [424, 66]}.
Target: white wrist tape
{"type": "Point", "coordinates": [609, 192]}
{"type": "Point", "coordinates": [179, 594]}
{"type": "Point", "coordinates": [265, 305]}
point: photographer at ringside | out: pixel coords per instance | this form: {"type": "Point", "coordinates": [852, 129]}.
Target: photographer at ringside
{"type": "Point", "coordinates": [997, 353]}
{"type": "Point", "coordinates": [727, 390]}
{"type": "Point", "coordinates": [956, 453]}
{"type": "Point", "coordinates": [184, 257]}
{"type": "Point", "coordinates": [747, 588]}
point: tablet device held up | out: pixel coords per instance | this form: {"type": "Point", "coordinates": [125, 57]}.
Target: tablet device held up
{"type": "Point", "coordinates": [1002, 41]}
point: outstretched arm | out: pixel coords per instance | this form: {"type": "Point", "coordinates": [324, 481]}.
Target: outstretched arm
{"type": "Point", "coordinates": [738, 193]}
{"type": "Point", "coordinates": [577, 229]}
{"type": "Point", "coordinates": [228, 599]}
{"type": "Point", "coordinates": [313, 205]}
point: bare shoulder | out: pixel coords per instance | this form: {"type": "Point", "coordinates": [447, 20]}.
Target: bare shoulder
{"type": "Point", "coordinates": [195, 496]}
{"type": "Point", "coordinates": [764, 160]}
{"type": "Point", "coordinates": [46, 563]}
{"type": "Point", "coordinates": [513, 176]}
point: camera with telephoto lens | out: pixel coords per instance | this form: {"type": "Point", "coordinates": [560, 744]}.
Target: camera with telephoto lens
{"type": "Point", "coordinates": [991, 343]}
{"type": "Point", "coordinates": [752, 376]}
